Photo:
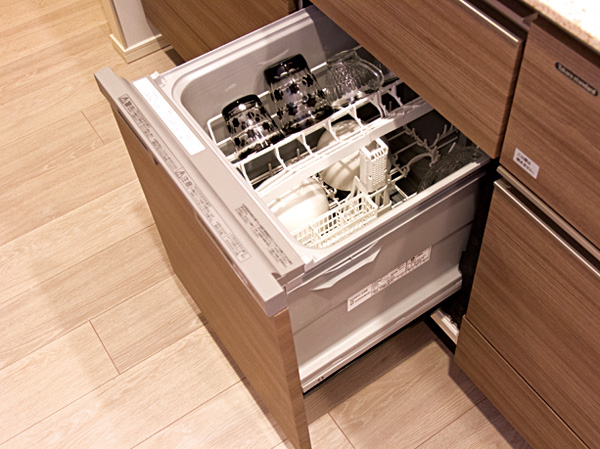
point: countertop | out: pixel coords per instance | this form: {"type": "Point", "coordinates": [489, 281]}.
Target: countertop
{"type": "Point", "coordinates": [579, 17]}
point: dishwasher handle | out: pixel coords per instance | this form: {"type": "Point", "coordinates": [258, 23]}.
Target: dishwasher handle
{"type": "Point", "coordinates": [347, 267]}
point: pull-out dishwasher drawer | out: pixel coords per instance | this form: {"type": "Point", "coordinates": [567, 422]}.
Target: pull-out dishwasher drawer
{"type": "Point", "coordinates": [339, 313]}
{"type": "Point", "coordinates": [308, 301]}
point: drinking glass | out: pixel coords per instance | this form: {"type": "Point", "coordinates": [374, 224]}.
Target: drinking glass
{"type": "Point", "coordinates": [250, 125]}
{"type": "Point", "coordinates": [350, 78]}
{"type": "Point", "coordinates": [298, 98]}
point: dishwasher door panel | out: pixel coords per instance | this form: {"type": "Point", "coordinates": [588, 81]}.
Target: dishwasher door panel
{"type": "Point", "coordinates": [261, 345]}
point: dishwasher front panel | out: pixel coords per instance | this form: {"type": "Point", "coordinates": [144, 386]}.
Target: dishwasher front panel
{"type": "Point", "coordinates": [341, 312]}
{"type": "Point", "coordinates": [332, 302]}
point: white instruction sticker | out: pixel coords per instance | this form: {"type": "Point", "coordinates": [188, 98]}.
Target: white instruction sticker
{"type": "Point", "coordinates": [263, 236]}
{"type": "Point", "coordinates": [384, 282]}
{"type": "Point", "coordinates": [526, 164]}
{"type": "Point", "coordinates": [164, 110]}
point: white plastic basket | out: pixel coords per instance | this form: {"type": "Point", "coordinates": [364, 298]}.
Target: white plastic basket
{"type": "Point", "coordinates": [374, 165]}
{"type": "Point", "coordinates": [350, 215]}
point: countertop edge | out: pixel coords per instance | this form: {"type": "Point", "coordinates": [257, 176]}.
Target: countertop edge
{"type": "Point", "coordinates": [578, 17]}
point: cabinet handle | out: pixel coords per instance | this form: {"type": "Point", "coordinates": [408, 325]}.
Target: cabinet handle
{"type": "Point", "coordinates": [350, 265]}
{"type": "Point", "coordinates": [560, 230]}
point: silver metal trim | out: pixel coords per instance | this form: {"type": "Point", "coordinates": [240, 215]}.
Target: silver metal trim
{"type": "Point", "coordinates": [509, 182]}
{"type": "Point", "coordinates": [491, 21]}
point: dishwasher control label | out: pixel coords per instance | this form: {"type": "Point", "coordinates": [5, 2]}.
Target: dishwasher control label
{"type": "Point", "coordinates": [526, 164]}
{"type": "Point", "coordinates": [203, 205]}
{"type": "Point", "coordinates": [168, 115]}
{"type": "Point", "coordinates": [384, 282]}
{"type": "Point", "coordinates": [212, 218]}
{"type": "Point", "coordinates": [263, 237]}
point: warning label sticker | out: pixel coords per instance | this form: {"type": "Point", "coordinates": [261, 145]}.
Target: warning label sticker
{"type": "Point", "coordinates": [526, 164]}
{"type": "Point", "coordinates": [385, 281]}
{"type": "Point", "coordinates": [264, 238]}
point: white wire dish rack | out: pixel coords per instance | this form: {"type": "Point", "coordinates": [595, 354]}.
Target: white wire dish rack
{"type": "Point", "coordinates": [378, 118]}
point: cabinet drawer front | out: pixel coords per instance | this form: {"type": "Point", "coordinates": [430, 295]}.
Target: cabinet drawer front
{"type": "Point", "coordinates": [503, 386]}
{"type": "Point", "coordinates": [554, 123]}
{"type": "Point", "coordinates": [183, 39]}
{"type": "Point", "coordinates": [454, 57]}
{"type": "Point", "coordinates": [196, 26]}
{"type": "Point", "coordinates": [538, 303]}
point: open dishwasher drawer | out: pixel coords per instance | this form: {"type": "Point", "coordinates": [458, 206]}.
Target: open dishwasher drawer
{"type": "Point", "coordinates": [295, 301]}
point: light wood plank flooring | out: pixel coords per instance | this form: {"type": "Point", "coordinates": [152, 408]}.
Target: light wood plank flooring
{"type": "Point", "coordinates": [100, 346]}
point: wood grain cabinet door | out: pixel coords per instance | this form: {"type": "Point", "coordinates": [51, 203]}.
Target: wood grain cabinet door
{"type": "Point", "coordinates": [553, 137]}
{"type": "Point", "coordinates": [454, 56]}
{"type": "Point", "coordinates": [536, 299]}
{"type": "Point", "coordinates": [262, 346]}
{"type": "Point", "coordinates": [195, 26]}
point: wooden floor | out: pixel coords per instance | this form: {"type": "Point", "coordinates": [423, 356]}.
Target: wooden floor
{"type": "Point", "coordinates": [99, 344]}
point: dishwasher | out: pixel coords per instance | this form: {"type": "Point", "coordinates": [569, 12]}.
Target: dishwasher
{"type": "Point", "coordinates": [384, 251]}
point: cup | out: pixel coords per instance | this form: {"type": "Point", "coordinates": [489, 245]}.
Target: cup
{"type": "Point", "coordinates": [250, 125]}
{"type": "Point", "coordinates": [350, 78]}
{"type": "Point", "coordinates": [298, 98]}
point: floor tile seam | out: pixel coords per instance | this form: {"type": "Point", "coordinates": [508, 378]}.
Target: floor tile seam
{"type": "Point", "coordinates": [166, 347]}
{"type": "Point", "coordinates": [69, 53]}
{"type": "Point", "coordinates": [32, 131]}
{"type": "Point", "coordinates": [105, 349]}
{"type": "Point", "coordinates": [26, 31]}
{"type": "Point", "coordinates": [65, 331]}
{"type": "Point", "coordinates": [58, 15]}
{"type": "Point", "coordinates": [166, 426]}
{"type": "Point", "coordinates": [104, 142]}
{"type": "Point", "coordinates": [112, 379]}
{"type": "Point", "coordinates": [31, 181]}
{"type": "Point", "coordinates": [450, 423]}
{"type": "Point", "coordinates": [87, 258]}
{"type": "Point", "coordinates": [341, 430]}
{"type": "Point", "coordinates": [93, 317]}
{"type": "Point", "coordinates": [65, 405]}
{"type": "Point", "coordinates": [155, 352]}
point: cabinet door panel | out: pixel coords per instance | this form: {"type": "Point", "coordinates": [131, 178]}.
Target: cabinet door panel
{"type": "Point", "coordinates": [554, 122]}
{"type": "Point", "coordinates": [183, 38]}
{"type": "Point", "coordinates": [516, 400]}
{"type": "Point", "coordinates": [196, 26]}
{"type": "Point", "coordinates": [458, 61]}
{"type": "Point", "coordinates": [538, 304]}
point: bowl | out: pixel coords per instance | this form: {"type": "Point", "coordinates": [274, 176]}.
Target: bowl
{"type": "Point", "coordinates": [300, 205]}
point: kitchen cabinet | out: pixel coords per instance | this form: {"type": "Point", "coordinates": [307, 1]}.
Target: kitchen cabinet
{"type": "Point", "coordinates": [461, 59]}
{"type": "Point", "coordinates": [194, 27]}
{"type": "Point", "coordinates": [554, 126]}
{"type": "Point", "coordinates": [535, 304]}
{"type": "Point", "coordinates": [442, 51]}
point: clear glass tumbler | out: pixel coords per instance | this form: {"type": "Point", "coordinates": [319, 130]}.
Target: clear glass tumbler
{"type": "Point", "coordinates": [350, 78]}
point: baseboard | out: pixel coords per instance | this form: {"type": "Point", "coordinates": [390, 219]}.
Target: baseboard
{"type": "Point", "coordinates": [140, 49]}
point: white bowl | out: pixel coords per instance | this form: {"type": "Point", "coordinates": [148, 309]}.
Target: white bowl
{"type": "Point", "coordinates": [300, 205]}
{"type": "Point", "coordinates": [340, 174]}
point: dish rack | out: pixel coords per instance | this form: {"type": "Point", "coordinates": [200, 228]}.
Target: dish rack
{"type": "Point", "coordinates": [284, 165]}
{"type": "Point", "coordinates": [288, 162]}
{"type": "Point", "coordinates": [341, 221]}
